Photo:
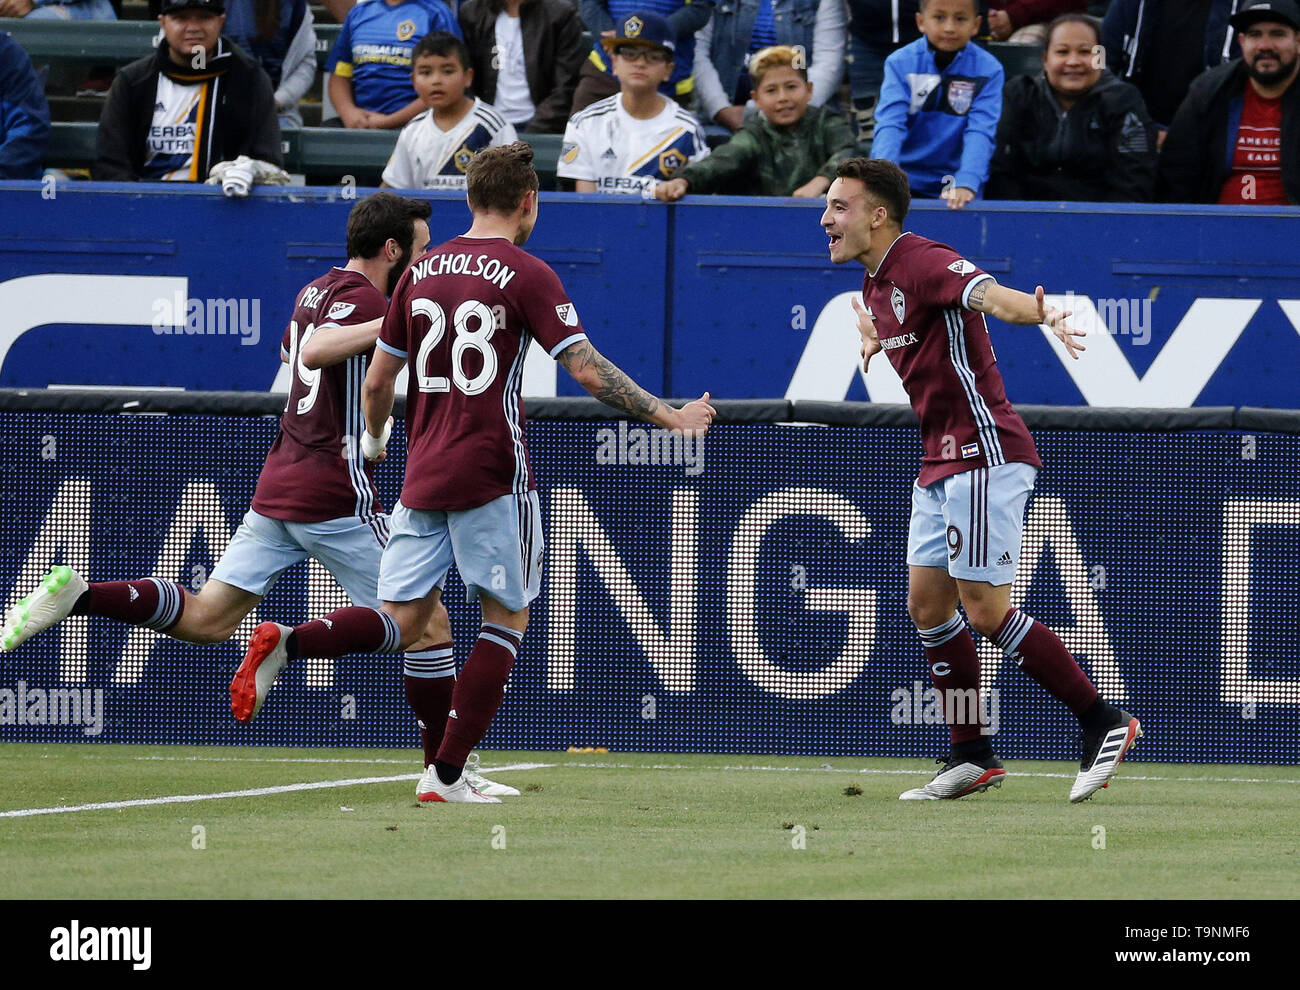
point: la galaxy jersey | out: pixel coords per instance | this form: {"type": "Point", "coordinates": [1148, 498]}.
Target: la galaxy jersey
{"type": "Point", "coordinates": [315, 470]}
{"type": "Point", "coordinates": [606, 145]}
{"type": "Point", "coordinates": [462, 318]}
{"type": "Point", "coordinates": [374, 49]}
{"type": "Point", "coordinates": [942, 352]}
{"type": "Point", "coordinates": [427, 157]}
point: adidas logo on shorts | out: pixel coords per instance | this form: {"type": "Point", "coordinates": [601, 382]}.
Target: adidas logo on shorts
{"type": "Point", "coordinates": [1005, 559]}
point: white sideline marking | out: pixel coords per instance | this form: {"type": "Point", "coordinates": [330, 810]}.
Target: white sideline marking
{"type": "Point", "coordinates": [250, 792]}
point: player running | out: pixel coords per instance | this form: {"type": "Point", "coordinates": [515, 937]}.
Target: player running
{"type": "Point", "coordinates": [462, 320]}
{"type": "Point", "coordinates": [315, 497]}
{"type": "Point", "coordinates": [921, 304]}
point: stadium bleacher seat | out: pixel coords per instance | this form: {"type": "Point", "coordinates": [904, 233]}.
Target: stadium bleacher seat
{"type": "Point", "coordinates": [1017, 60]}
{"type": "Point", "coordinates": [109, 42]}
{"type": "Point", "coordinates": [324, 154]}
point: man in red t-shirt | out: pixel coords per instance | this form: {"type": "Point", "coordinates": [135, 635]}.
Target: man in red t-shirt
{"type": "Point", "coordinates": [462, 320]}
{"type": "Point", "coordinates": [923, 305]}
{"type": "Point", "coordinates": [1236, 137]}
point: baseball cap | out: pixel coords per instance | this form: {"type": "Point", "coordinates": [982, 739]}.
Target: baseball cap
{"type": "Point", "coordinates": [1282, 11]}
{"type": "Point", "coordinates": [642, 28]}
{"type": "Point", "coordinates": [157, 7]}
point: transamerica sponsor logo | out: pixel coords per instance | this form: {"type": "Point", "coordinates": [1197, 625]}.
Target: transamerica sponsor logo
{"type": "Point", "coordinates": [489, 269]}
{"type": "Point", "coordinates": [22, 705]}
{"type": "Point", "coordinates": [77, 944]}
{"type": "Point", "coordinates": [902, 340]}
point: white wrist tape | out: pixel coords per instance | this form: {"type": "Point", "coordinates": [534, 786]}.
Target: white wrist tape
{"type": "Point", "coordinates": [372, 447]}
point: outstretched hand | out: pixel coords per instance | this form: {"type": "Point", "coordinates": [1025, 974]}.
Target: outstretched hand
{"type": "Point", "coordinates": [1054, 320]}
{"type": "Point", "coordinates": [867, 331]}
{"type": "Point", "coordinates": [696, 417]}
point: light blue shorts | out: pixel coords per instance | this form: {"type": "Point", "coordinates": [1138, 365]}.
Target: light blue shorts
{"type": "Point", "coordinates": [970, 523]}
{"type": "Point", "coordinates": [264, 548]}
{"type": "Point", "coordinates": [497, 548]}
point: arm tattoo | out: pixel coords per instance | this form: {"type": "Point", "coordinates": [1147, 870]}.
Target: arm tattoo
{"type": "Point", "coordinates": [976, 298]}
{"type": "Point", "coordinates": [613, 387]}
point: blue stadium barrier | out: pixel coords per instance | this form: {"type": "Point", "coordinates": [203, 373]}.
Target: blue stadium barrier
{"type": "Point", "coordinates": [744, 596]}
{"type": "Point", "coordinates": [1193, 306]}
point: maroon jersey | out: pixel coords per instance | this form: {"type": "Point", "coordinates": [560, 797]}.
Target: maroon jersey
{"type": "Point", "coordinates": [315, 470]}
{"type": "Point", "coordinates": [941, 351]}
{"type": "Point", "coordinates": [462, 318]}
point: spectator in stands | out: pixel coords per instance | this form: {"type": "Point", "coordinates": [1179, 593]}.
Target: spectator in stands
{"type": "Point", "coordinates": [280, 36]}
{"type": "Point", "coordinates": [62, 10]}
{"type": "Point", "coordinates": [877, 29]}
{"type": "Point", "coordinates": [162, 122]}
{"type": "Point", "coordinates": [633, 140]}
{"type": "Point", "coordinates": [526, 56]}
{"type": "Point", "coordinates": [596, 77]}
{"type": "Point", "coordinates": [939, 105]}
{"type": "Point", "coordinates": [24, 114]}
{"type": "Point", "coordinates": [1236, 138]}
{"type": "Point", "coordinates": [1075, 132]}
{"type": "Point", "coordinates": [434, 150]}
{"type": "Point", "coordinates": [723, 47]}
{"type": "Point", "coordinates": [1160, 46]}
{"type": "Point", "coordinates": [370, 65]}
{"type": "Point", "coordinates": [789, 149]}
{"type": "Point", "coordinates": [1024, 22]}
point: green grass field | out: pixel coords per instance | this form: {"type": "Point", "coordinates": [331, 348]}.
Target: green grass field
{"type": "Point", "coordinates": [631, 825]}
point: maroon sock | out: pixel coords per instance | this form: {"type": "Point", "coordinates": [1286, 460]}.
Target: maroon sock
{"type": "Point", "coordinates": [478, 693]}
{"type": "Point", "coordinates": [348, 630]}
{"type": "Point", "coordinates": [1040, 653]}
{"type": "Point", "coordinates": [955, 666]}
{"type": "Point", "coordinates": [148, 602]}
{"type": "Point", "coordinates": [430, 678]}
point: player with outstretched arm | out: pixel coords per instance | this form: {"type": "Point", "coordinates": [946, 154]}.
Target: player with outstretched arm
{"type": "Point", "coordinates": [462, 320]}
{"type": "Point", "coordinates": [923, 305]}
{"type": "Point", "coordinates": [315, 496]}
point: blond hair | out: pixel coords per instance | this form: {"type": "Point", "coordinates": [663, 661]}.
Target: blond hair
{"type": "Point", "coordinates": [765, 60]}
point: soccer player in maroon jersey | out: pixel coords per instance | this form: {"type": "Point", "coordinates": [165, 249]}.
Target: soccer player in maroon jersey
{"type": "Point", "coordinates": [462, 320]}
{"type": "Point", "coordinates": [923, 305]}
{"type": "Point", "coordinates": [315, 496]}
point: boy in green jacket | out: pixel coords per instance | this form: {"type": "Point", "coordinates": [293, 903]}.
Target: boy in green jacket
{"type": "Point", "coordinates": [792, 149]}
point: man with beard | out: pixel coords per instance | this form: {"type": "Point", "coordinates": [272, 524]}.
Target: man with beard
{"type": "Point", "coordinates": [315, 496]}
{"type": "Point", "coordinates": [1236, 138]}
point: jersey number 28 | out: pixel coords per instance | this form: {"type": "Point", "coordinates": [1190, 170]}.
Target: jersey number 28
{"type": "Point", "coordinates": [474, 325]}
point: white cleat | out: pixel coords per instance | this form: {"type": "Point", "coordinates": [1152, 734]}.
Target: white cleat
{"type": "Point", "coordinates": [484, 786]}
{"type": "Point", "coordinates": [958, 777]}
{"type": "Point", "coordinates": [262, 663]}
{"type": "Point", "coordinates": [1102, 751]}
{"type": "Point", "coordinates": [430, 788]}
{"type": "Point", "coordinates": [50, 603]}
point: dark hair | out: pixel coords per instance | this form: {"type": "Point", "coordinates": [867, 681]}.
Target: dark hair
{"type": "Point", "coordinates": [886, 183]}
{"type": "Point", "coordinates": [974, 3]}
{"type": "Point", "coordinates": [1072, 18]}
{"type": "Point", "coordinates": [499, 178]}
{"type": "Point", "coordinates": [380, 216]}
{"type": "Point", "coordinates": [442, 44]}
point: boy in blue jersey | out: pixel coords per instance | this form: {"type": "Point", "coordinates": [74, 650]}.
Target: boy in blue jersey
{"type": "Point", "coordinates": [939, 105]}
{"type": "Point", "coordinates": [370, 66]}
